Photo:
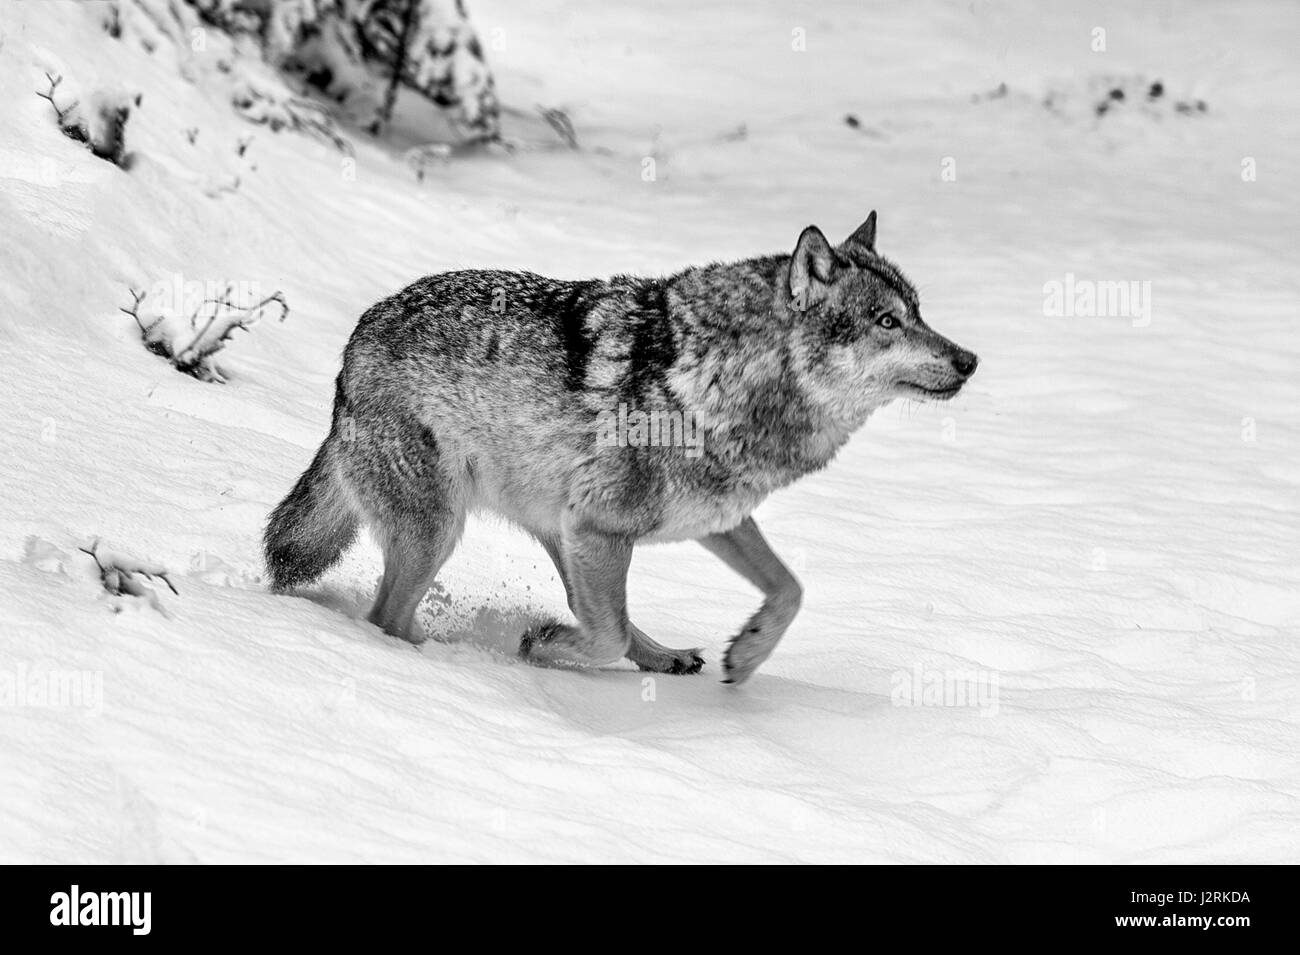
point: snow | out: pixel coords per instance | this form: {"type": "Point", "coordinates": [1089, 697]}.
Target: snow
{"type": "Point", "coordinates": [1100, 532]}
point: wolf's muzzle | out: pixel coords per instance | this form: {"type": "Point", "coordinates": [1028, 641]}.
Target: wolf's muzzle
{"type": "Point", "coordinates": [965, 362]}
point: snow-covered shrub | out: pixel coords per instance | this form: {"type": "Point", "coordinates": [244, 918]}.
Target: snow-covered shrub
{"type": "Point", "coordinates": [100, 123]}
{"type": "Point", "coordinates": [191, 343]}
{"type": "Point", "coordinates": [353, 49]}
{"type": "Point", "coordinates": [257, 102]}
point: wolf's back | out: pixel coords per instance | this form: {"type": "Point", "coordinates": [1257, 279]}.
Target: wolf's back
{"type": "Point", "coordinates": [478, 321]}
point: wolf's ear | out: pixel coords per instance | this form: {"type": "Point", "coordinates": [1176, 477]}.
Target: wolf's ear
{"type": "Point", "coordinates": [865, 234]}
{"type": "Point", "coordinates": [811, 267]}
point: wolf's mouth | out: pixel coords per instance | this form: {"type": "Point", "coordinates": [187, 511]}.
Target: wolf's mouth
{"type": "Point", "coordinates": [927, 391]}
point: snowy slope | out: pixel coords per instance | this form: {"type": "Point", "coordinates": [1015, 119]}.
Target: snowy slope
{"type": "Point", "coordinates": [1101, 529]}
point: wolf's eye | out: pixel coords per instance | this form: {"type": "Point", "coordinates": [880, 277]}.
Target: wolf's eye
{"type": "Point", "coordinates": [887, 320]}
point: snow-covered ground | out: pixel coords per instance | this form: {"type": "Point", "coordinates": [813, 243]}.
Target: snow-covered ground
{"type": "Point", "coordinates": [1101, 532]}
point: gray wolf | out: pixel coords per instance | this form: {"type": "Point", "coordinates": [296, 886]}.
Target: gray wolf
{"type": "Point", "coordinates": [491, 390]}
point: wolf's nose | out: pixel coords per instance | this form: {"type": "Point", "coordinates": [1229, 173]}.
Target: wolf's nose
{"type": "Point", "coordinates": [965, 362]}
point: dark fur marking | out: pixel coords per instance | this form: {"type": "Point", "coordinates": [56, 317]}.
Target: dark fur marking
{"type": "Point", "coordinates": [652, 347]}
{"type": "Point", "coordinates": [840, 328]}
{"type": "Point", "coordinates": [883, 269]}
{"type": "Point", "coordinates": [567, 306]}
{"type": "Point", "coordinates": [341, 408]}
{"type": "Point", "coordinates": [888, 273]}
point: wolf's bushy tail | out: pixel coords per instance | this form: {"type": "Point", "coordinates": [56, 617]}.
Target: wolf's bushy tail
{"type": "Point", "coordinates": [309, 530]}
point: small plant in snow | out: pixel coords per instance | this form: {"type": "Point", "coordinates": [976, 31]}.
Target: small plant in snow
{"type": "Point", "coordinates": [191, 346]}
{"type": "Point", "coordinates": [257, 104]}
{"type": "Point", "coordinates": [101, 126]}
{"type": "Point", "coordinates": [153, 339]}
{"type": "Point", "coordinates": [214, 329]}
{"type": "Point", "coordinates": [120, 575]}
{"type": "Point", "coordinates": [422, 158]}
{"type": "Point", "coordinates": [559, 121]}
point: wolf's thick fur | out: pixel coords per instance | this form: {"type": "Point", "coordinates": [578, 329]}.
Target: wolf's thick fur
{"type": "Point", "coordinates": [485, 389]}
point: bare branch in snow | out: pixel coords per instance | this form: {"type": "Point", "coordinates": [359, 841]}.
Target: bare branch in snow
{"type": "Point", "coordinates": [120, 573]}
{"type": "Point", "coordinates": [149, 334]}
{"type": "Point", "coordinates": [226, 318]}
{"type": "Point", "coordinates": [62, 114]}
{"type": "Point", "coordinates": [559, 121]}
{"type": "Point", "coordinates": [260, 105]}
{"type": "Point", "coordinates": [310, 116]}
{"type": "Point", "coordinates": [421, 158]}
{"type": "Point", "coordinates": [211, 325]}
{"type": "Point", "coordinates": [102, 127]}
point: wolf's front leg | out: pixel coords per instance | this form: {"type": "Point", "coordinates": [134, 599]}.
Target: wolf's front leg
{"type": "Point", "coordinates": [744, 550]}
{"type": "Point", "coordinates": [595, 566]}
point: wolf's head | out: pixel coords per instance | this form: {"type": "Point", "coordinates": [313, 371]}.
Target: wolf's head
{"type": "Point", "coordinates": [859, 337]}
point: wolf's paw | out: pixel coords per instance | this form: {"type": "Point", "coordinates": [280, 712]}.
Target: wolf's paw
{"type": "Point", "coordinates": [673, 662]}
{"type": "Point", "coordinates": [536, 637]}
{"type": "Point", "coordinates": [558, 645]}
{"type": "Point", "coordinates": [759, 638]}
{"type": "Point", "coordinates": [745, 653]}
{"type": "Point", "coordinates": [689, 662]}
{"type": "Point", "coordinates": [653, 657]}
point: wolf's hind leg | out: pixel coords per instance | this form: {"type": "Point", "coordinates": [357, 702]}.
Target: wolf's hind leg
{"type": "Point", "coordinates": [643, 651]}
{"type": "Point", "coordinates": [412, 500]}
{"type": "Point", "coordinates": [744, 550]}
{"type": "Point", "coordinates": [412, 558]}
{"type": "Point", "coordinates": [594, 567]}
{"type": "Point", "coordinates": [654, 657]}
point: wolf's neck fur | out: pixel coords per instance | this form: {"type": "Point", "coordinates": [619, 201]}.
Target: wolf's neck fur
{"type": "Point", "coordinates": [741, 370]}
